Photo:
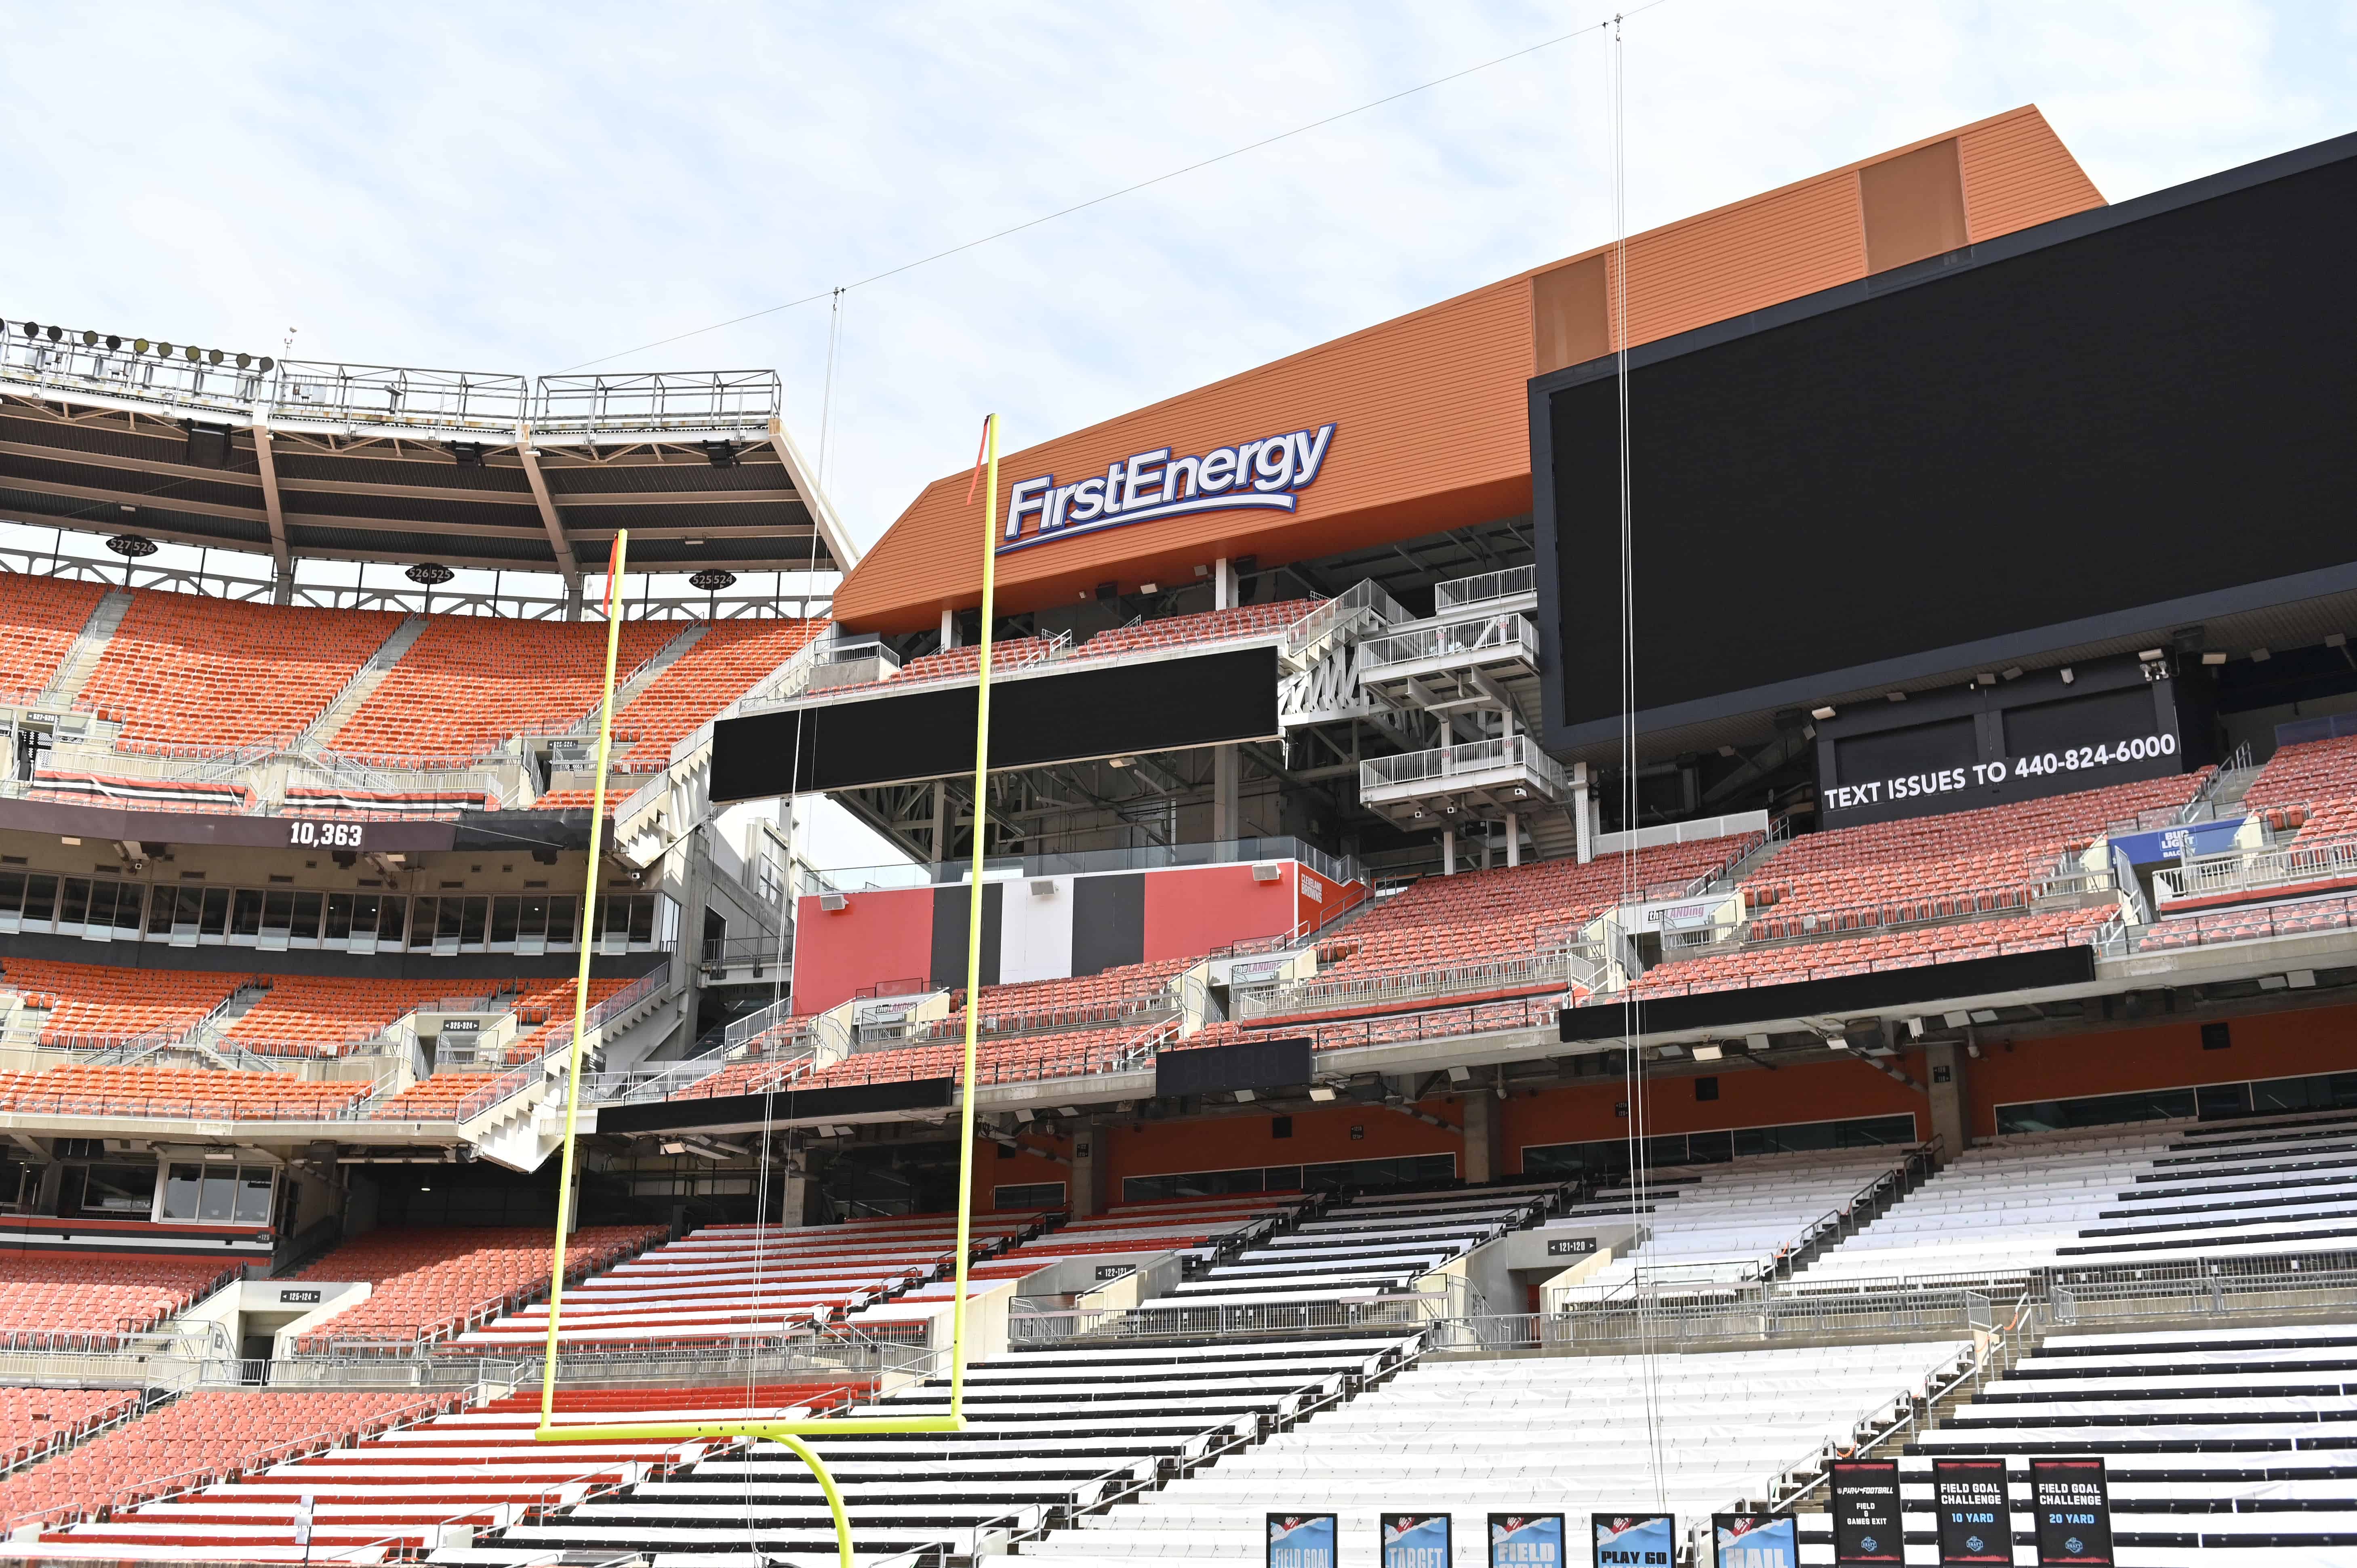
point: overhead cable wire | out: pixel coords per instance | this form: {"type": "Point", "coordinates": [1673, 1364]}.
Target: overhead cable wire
{"type": "Point", "coordinates": [1131, 189]}
{"type": "Point", "coordinates": [1631, 1008]}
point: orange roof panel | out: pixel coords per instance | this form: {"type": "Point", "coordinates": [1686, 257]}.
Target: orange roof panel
{"type": "Point", "coordinates": [1430, 408]}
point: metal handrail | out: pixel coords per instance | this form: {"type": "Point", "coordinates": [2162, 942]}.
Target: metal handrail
{"type": "Point", "coordinates": [165, 1488]}
{"type": "Point", "coordinates": [1557, 969]}
{"type": "Point", "coordinates": [1481, 589]}
{"type": "Point", "coordinates": [1497, 633]}
{"type": "Point", "coordinates": [2302, 860]}
{"type": "Point", "coordinates": [1362, 607]}
{"type": "Point", "coordinates": [1468, 757]}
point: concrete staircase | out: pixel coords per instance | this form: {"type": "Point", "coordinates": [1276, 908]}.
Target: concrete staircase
{"type": "Point", "coordinates": [627, 690]}
{"type": "Point", "coordinates": [1554, 833]}
{"type": "Point", "coordinates": [364, 682]}
{"type": "Point", "coordinates": [82, 659]}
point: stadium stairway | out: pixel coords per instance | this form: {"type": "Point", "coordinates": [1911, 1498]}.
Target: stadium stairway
{"type": "Point", "coordinates": [1049, 1432]}
{"type": "Point", "coordinates": [1369, 1247]}
{"type": "Point", "coordinates": [370, 676]}
{"type": "Point", "coordinates": [81, 660]}
{"type": "Point", "coordinates": [1568, 1432]}
{"type": "Point", "coordinates": [427, 1484]}
{"type": "Point", "coordinates": [633, 682]}
{"type": "Point", "coordinates": [2113, 1198]}
{"type": "Point", "coordinates": [2223, 1447]}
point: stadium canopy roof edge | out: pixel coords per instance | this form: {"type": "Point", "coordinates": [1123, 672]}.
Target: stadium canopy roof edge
{"type": "Point", "coordinates": [208, 447]}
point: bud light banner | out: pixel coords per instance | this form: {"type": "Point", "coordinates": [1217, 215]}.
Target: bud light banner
{"type": "Point", "coordinates": [1866, 1511]}
{"type": "Point", "coordinates": [1635, 1540]}
{"type": "Point", "coordinates": [1975, 1520]}
{"type": "Point", "coordinates": [1301, 1540]}
{"type": "Point", "coordinates": [2073, 1507]}
{"type": "Point", "coordinates": [1755, 1541]}
{"type": "Point", "coordinates": [1526, 1540]}
{"type": "Point", "coordinates": [1415, 1541]}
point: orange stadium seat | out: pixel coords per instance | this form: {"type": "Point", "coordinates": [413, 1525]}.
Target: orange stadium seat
{"type": "Point", "coordinates": [1995, 847]}
{"type": "Point", "coordinates": [202, 1436]}
{"type": "Point", "coordinates": [39, 618]}
{"type": "Point", "coordinates": [93, 1003]}
{"type": "Point", "coordinates": [43, 1295]}
{"type": "Point", "coordinates": [2306, 773]}
{"type": "Point", "coordinates": [78, 1089]}
{"type": "Point", "coordinates": [1871, 952]}
{"type": "Point", "coordinates": [1462, 919]}
{"type": "Point", "coordinates": [187, 670]}
{"type": "Point", "coordinates": [722, 667]}
{"type": "Point", "coordinates": [470, 681]}
{"type": "Point", "coordinates": [312, 1015]}
{"type": "Point", "coordinates": [1211, 626]}
{"type": "Point", "coordinates": [34, 1422]}
{"type": "Point", "coordinates": [432, 1281]}
{"type": "Point", "coordinates": [434, 1099]}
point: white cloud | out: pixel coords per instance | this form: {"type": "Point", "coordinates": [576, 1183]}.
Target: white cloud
{"type": "Point", "coordinates": [503, 187]}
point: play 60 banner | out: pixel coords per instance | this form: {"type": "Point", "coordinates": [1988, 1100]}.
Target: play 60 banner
{"type": "Point", "coordinates": [1635, 1540]}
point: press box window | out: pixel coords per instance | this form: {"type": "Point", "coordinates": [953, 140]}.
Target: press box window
{"type": "Point", "coordinates": [119, 1189]}
{"type": "Point", "coordinates": [1028, 1194]}
{"type": "Point", "coordinates": [218, 1194]}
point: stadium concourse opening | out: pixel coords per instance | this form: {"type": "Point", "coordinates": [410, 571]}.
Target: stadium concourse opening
{"type": "Point", "coordinates": [1895, 1072]}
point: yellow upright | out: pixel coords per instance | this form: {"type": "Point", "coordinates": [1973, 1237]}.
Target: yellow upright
{"type": "Point", "coordinates": [789, 1433]}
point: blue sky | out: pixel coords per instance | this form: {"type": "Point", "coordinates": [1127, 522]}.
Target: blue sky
{"type": "Point", "coordinates": [517, 188]}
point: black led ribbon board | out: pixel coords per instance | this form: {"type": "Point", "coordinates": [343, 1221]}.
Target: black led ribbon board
{"type": "Point", "coordinates": [1248, 1064]}
{"type": "Point", "coordinates": [1088, 709]}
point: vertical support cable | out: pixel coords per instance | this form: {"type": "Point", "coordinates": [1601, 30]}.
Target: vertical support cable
{"type": "Point", "coordinates": [967, 1085]}
{"type": "Point", "coordinates": [578, 1054]}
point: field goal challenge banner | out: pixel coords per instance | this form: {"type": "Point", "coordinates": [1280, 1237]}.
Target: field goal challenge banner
{"type": "Point", "coordinates": [1301, 1540]}
{"type": "Point", "coordinates": [1526, 1540]}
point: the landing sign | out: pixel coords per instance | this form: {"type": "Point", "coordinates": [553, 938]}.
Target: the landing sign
{"type": "Point", "coordinates": [1635, 1540]}
{"type": "Point", "coordinates": [2073, 1507]}
{"type": "Point", "coordinates": [1301, 1540]}
{"type": "Point", "coordinates": [1755, 1541]}
{"type": "Point", "coordinates": [1866, 1511]}
{"type": "Point", "coordinates": [1975, 1520]}
{"type": "Point", "coordinates": [1415, 1540]}
{"type": "Point", "coordinates": [1526, 1540]}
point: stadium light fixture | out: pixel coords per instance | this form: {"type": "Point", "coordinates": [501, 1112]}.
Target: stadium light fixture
{"type": "Point", "coordinates": [2213, 660]}
{"type": "Point", "coordinates": [1708, 1053]}
{"type": "Point", "coordinates": [2260, 656]}
{"type": "Point", "coordinates": [2336, 639]}
{"type": "Point", "coordinates": [1986, 677]}
{"type": "Point", "coordinates": [1894, 697]}
{"type": "Point", "coordinates": [1821, 714]}
{"type": "Point", "coordinates": [2014, 673]}
{"type": "Point", "coordinates": [1322, 1092]}
{"type": "Point", "coordinates": [2152, 655]}
{"type": "Point", "coordinates": [2068, 675]}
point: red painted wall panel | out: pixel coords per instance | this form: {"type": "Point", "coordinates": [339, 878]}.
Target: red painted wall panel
{"type": "Point", "coordinates": [1189, 910]}
{"type": "Point", "coordinates": [1747, 1098]}
{"type": "Point", "coordinates": [1230, 1143]}
{"type": "Point", "coordinates": [2166, 1056]}
{"type": "Point", "coordinates": [879, 936]}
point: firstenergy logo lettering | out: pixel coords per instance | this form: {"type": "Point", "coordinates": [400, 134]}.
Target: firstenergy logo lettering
{"type": "Point", "coordinates": [1268, 473]}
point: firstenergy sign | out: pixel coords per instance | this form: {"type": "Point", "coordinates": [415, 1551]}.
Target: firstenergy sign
{"type": "Point", "coordinates": [1267, 474]}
